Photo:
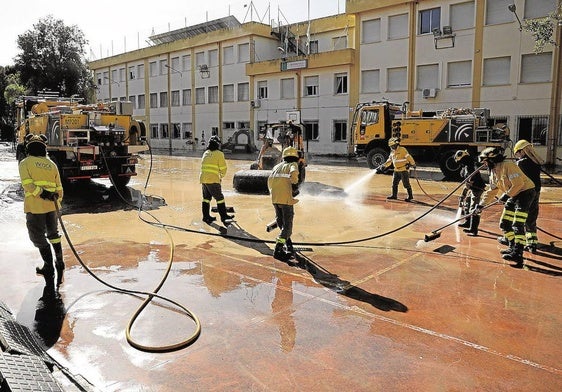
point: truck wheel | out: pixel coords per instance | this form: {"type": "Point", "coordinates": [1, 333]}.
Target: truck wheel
{"type": "Point", "coordinates": [376, 157]}
{"type": "Point", "coordinates": [448, 166]}
{"type": "Point", "coordinates": [251, 181]}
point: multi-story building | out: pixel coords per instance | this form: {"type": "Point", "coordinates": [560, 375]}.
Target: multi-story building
{"type": "Point", "coordinates": [220, 76]}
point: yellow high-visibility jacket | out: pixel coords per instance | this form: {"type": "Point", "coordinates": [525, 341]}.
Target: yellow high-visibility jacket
{"type": "Point", "coordinates": [400, 158]}
{"type": "Point", "coordinates": [213, 167]}
{"type": "Point", "coordinates": [508, 178]}
{"type": "Point", "coordinates": [38, 173]}
{"type": "Point", "coordinates": [280, 183]}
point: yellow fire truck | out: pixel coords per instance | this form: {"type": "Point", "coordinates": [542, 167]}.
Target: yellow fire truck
{"type": "Point", "coordinates": [434, 136]}
{"type": "Point", "coordinates": [85, 141]}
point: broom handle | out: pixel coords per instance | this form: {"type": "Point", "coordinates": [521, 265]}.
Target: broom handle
{"type": "Point", "coordinates": [465, 216]}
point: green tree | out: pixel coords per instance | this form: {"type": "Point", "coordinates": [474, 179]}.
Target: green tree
{"type": "Point", "coordinates": [10, 89]}
{"type": "Point", "coordinates": [53, 58]}
{"type": "Point", "coordinates": [542, 29]}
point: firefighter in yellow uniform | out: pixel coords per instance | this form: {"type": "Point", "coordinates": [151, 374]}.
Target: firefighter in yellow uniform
{"type": "Point", "coordinates": [213, 169]}
{"type": "Point", "coordinates": [283, 187]}
{"type": "Point", "coordinates": [402, 161]}
{"type": "Point", "coordinates": [41, 183]}
{"type": "Point", "coordinates": [517, 192]}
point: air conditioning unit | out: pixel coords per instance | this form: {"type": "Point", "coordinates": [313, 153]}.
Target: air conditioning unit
{"type": "Point", "coordinates": [429, 92]}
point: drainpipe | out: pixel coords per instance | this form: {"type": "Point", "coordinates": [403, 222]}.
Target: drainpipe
{"type": "Point", "coordinates": [554, 123]}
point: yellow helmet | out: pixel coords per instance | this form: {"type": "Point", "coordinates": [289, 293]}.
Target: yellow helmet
{"type": "Point", "coordinates": [460, 154]}
{"type": "Point", "coordinates": [521, 144]}
{"type": "Point", "coordinates": [393, 141]}
{"type": "Point", "coordinates": [290, 152]}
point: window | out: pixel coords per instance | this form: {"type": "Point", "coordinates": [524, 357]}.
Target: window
{"type": "Point", "coordinates": [228, 93]}
{"type": "Point", "coordinates": [153, 100]}
{"type": "Point", "coordinates": [497, 12]}
{"type": "Point", "coordinates": [121, 74]}
{"type": "Point", "coordinates": [105, 78]}
{"type": "Point", "coordinates": [176, 131]}
{"type": "Point", "coordinates": [123, 99]}
{"type": "Point", "coordinates": [369, 117]}
{"type": "Point", "coordinates": [132, 99]}
{"type": "Point", "coordinates": [228, 55]}
{"type": "Point", "coordinates": [496, 71]}
{"type": "Point", "coordinates": [396, 79]}
{"type": "Point", "coordinates": [154, 131]}
{"type": "Point", "coordinates": [429, 20]}
{"type": "Point", "coordinates": [243, 91]}
{"type": "Point", "coordinates": [310, 86]}
{"type": "Point", "coordinates": [99, 76]}
{"type": "Point", "coordinates": [340, 84]}
{"type": "Point", "coordinates": [186, 97]}
{"type": "Point", "coordinates": [262, 89]}
{"type": "Point", "coordinates": [533, 128]}
{"type": "Point", "coordinates": [213, 58]}
{"type": "Point", "coordinates": [370, 81]}
{"type": "Point", "coordinates": [175, 64]}
{"type": "Point", "coordinates": [164, 131]}
{"type": "Point", "coordinates": [163, 67]}
{"type": "Point", "coordinates": [313, 46]}
{"type": "Point", "coordinates": [287, 88]}
{"type": "Point", "coordinates": [228, 125]}
{"type": "Point", "coordinates": [398, 26]}
{"type": "Point", "coordinates": [340, 131]}
{"type": "Point", "coordinates": [213, 94]}
{"type": "Point", "coordinates": [114, 75]}
{"type": "Point", "coordinates": [462, 15]}
{"type": "Point", "coordinates": [141, 102]}
{"type": "Point", "coordinates": [243, 125]}
{"type": "Point", "coordinates": [244, 53]}
{"type": "Point", "coordinates": [428, 76]}
{"type": "Point", "coordinates": [164, 99]}
{"type": "Point", "coordinates": [140, 71]}
{"type": "Point", "coordinates": [132, 73]}
{"type": "Point", "coordinates": [176, 98]}
{"type": "Point", "coordinates": [186, 62]}
{"type": "Point", "coordinates": [339, 43]}
{"type": "Point", "coordinates": [371, 31]}
{"type": "Point", "coordinates": [459, 73]}
{"type": "Point", "coordinates": [186, 130]}
{"type": "Point", "coordinates": [311, 130]}
{"type": "Point", "coordinates": [200, 58]}
{"type": "Point", "coordinates": [536, 68]}
{"type": "Point", "coordinates": [538, 8]}
{"type": "Point", "coordinates": [199, 95]}
{"type": "Point", "coordinates": [153, 69]}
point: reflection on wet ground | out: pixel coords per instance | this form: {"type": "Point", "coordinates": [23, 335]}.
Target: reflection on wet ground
{"type": "Point", "coordinates": [388, 313]}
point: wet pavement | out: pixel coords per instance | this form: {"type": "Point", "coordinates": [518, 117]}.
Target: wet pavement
{"type": "Point", "coordinates": [368, 306]}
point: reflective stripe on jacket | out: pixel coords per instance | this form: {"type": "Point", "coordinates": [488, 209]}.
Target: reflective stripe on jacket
{"type": "Point", "coordinates": [506, 177]}
{"type": "Point", "coordinates": [213, 167]}
{"type": "Point", "coordinates": [400, 158]}
{"type": "Point", "coordinates": [280, 182]}
{"type": "Point", "coordinates": [38, 174]}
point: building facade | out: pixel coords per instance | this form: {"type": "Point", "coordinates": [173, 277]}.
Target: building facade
{"type": "Point", "coordinates": [222, 76]}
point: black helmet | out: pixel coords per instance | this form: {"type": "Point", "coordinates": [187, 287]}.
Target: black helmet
{"type": "Point", "coordinates": [460, 154]}
{"type": "Point", "coordinates": [491, 155]}
{"type": "Point", "coordinates": [214, 143]}
{"type": "Point", "coordinates": [36, 145]}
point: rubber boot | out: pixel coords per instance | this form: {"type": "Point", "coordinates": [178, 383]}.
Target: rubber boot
{"type": "Point", "coordinates": [59, 263]}
{"type": "Point", "coordinates": [516, 255]}
{"type": "Point", "coordinates": [205, 209]}
{"type": "Point", "coordinates": [394, 195]}
{"type": "Point", "coordinates": [502, 240]}
{"type": "Point", "coordinates": [474, 223]}
{"type": "Point", "coordinates": [290, 249]}
{"type": "Point", "coordinates": [279, 253]}
{"type": "Point", "coordinates": [509, 249]}
{"type": "Point", "coordinates": [47, 269]}
{"type": "Point", "coordinates": [225, 218]}
{"type": "Point", "coordinates": [410, 195]}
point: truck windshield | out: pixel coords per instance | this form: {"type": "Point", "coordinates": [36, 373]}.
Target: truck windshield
{"type": "Point", "coordinates": [370, 117]}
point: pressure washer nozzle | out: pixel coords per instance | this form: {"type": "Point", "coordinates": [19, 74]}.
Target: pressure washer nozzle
{"type": "Point", "coordinates": [271, 226]}
{"type": "Point", "coordinates": [432, 236]}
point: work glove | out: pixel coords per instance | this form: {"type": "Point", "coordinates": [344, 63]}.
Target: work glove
{"type": "Point", "coordinates": [408, 166]}
{"type": "Point", "coordinates": [46, 195]}
{"type": "Point", "coordinates": [379, 170]}
{"type": "Point", "coordinates": [295, 191]}
{"type": "Point", "coordinates": [504, 198]}
{"type": "Point", "coordinates": [461, 201]}
{"type": "Point", "coordinates": [477, 210]}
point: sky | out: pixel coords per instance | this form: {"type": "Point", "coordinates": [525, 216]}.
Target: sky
{"type": "Point", "coordinates": [112, 27]}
